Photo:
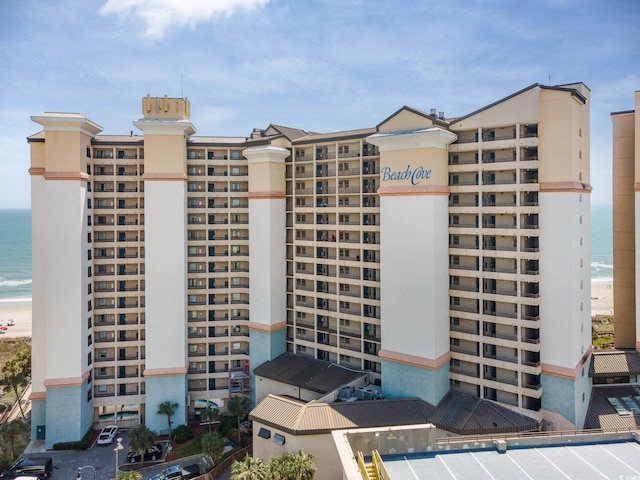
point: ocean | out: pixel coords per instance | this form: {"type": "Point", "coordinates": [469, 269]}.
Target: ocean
{"type": "Point", "coordinates": [15, 256]}
{"type": "Point", "coordinates": [15, 251]}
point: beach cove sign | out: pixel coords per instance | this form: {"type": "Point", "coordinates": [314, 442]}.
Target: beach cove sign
{"type": "Point", "coordinates": [415, 176]}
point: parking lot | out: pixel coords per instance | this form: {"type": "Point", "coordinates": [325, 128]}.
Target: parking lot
{"type": "Point", "coordinates": [97, 463]}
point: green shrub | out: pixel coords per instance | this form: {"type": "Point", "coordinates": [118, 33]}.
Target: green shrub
{"type": "Point", "coordinates": [83, 444]}
{"type": "Point", "coordinates": [181, 434]}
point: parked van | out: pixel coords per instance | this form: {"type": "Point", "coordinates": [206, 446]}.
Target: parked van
{"type": "Point", "coordinates": [40, 467]}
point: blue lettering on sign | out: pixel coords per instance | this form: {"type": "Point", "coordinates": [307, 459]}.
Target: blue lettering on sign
{"type": "Point", "coordinates": [414, 176]}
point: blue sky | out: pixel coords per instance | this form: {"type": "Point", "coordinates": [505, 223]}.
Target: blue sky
{"type": "Point", "coordinates": [321, 65]}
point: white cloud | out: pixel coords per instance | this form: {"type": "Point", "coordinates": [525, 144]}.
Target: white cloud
{"type": "Point", "coordinates": [159, 15]}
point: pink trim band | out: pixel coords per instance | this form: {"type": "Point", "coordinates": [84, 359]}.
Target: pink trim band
{"type": "Point", "coordinates": [36, 171]}
{"type": "Point", "coordinates": [83, 177]}
{"type": "Point", "coordinates": [414, 190]}
{"type": "Point", "coordinates": [164, 372]}
{"type": "Point", "coordinates": [36, 396]}
{"type": "Point", "coordinates": [67, 382]}
{"type": "Point", "coordinates": [414, 360]}
{"type": "Point", "coordinates": [261, 327]}
{"type": "Point", "coordinates": [166, 177]}
{"type": "Point", "coordinates": [565, 187]}
{"type": "Point", "coordinates": [260, 195]}
{"type": "Point", "coordinates": [565, 372]}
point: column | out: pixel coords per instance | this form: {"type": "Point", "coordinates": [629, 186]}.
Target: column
{"type": "Point", "coordinates": [414, 262]}
{"type": "Point", "coordinates": [61, 261]}
{"type": "Point", "coordinates": [267, 254]}
{"type": "Point", "coordinates": [165, 128]}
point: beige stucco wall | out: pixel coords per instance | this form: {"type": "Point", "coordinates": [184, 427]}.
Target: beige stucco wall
{"type": "Point", "coordinates": [165, 154]}
{"type": "Point", "coordinates": [404, 120]}
{"type": "Point", "coordinates": [322, 445]}
{"type": "Point", "coordinates": [428, 159]}
{"type": "Point", "coordinates": [564, 138]}
{"type": "Point", "coordinates": [522, 108]}
{"type": "Point", "coordinates": [266, 176]}
{"type": "Point", "coordinates": [66, 151]}
{"type": "Point", "coordinates": [624, 173]}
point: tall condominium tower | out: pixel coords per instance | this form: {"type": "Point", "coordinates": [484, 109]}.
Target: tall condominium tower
{"type": "Point", "coordinates": [626, 217]}
{"type": "Point", "coordinates": [432, 252]}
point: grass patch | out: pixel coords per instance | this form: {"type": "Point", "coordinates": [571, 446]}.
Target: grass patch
{"type": "Point", "coordinates": [9, 347]}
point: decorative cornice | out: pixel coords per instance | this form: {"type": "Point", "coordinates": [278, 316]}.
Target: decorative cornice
{"type": "Point", "coordinates": [267, 195]}
{"type": "Point", "coordinates": [165, 372]}
{"type": "Point", "coordinates": [637, 186]}
{"type": "Point", "coordinates": [164, 177]}
{"type": "Point", "coordinates": [37, 396]}
{"type": "Point", "coordinates": [66, 382]}
{"type": "Point", "coordinates": [81, 176]}
{"type": "Point", "coordinates": [261, 327]}
{"type": "Point", "coordinates": [266, 153]}
{"type": "Point", "coordinates": [565, 372]}
{"type": "Point", "coordinates": [434, 137]}
{"type": "Point", "coordinates": [565, 187]}
{"type": "Point", "coordinates": [67, 122]}
{"type": "Point", "coordinates": [36, 171]}
{"type": "Point", "coordinates": [410, 190]}
{"type": "Point", "coordinates": [415, 360]}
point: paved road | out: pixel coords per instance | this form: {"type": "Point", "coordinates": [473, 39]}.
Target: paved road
{"type": "Point", "coordinates": [98, 462]}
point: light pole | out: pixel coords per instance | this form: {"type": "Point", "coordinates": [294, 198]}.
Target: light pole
{"type": "Point", "coordinates": [117, 449]}
{"type": "Point", "coordinates": [79, 477]}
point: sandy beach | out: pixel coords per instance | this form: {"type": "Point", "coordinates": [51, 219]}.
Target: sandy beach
{"type": "Point", "coordinates": [602, 298]}
{"type": "Point", "coordinates": [20, 312]}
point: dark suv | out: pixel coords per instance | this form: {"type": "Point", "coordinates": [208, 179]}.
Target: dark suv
{"type": "Point", "coordinates": [151, 454]}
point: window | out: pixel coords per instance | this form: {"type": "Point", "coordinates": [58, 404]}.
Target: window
{"type": "Point", "coordinates": [264, 433]}
{"type": "Point", "coordinates": [278, 439]}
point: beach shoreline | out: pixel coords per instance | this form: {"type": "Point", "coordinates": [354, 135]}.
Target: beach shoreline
{"type": "Point", "coordinates": [20, 312]}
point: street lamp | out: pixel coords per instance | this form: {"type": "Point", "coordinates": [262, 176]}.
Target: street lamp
{"type": "Point", "coordinates": [117, 449]}
{"type": "Point", "coordinates": [79, 477]}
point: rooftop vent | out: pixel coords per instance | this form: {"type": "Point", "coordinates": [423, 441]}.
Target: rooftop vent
{"type": "Point", "coordinates": [433, 111]}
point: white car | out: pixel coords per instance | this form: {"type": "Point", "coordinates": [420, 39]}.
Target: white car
{"type": "Point", "coordinates": [107, 435]}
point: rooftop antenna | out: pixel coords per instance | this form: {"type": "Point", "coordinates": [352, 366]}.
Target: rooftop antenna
{"type": "Point", "coordinates": [181, 85]}
{"type": "Point", "coordinates": [549, 80]}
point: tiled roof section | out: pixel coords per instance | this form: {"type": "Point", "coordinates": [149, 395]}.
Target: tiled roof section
{"type": "Point", "coordinates": [306, 372]}
{"type": "Point", "coordinates": [335, 136]}
{"type": "Point", "coordinates": [612, 363]}
{"type": "Point", "coordinates": [603, 415]}
{"type": "Point", "coordinates": [290, 133]}
{"type": "Point", "coordinates": [36, 137]}
{"type": "Point", "coordinates": [313, 418]}
{"type": "Point", "coordinates": [117, 140]}
{"type": "Point", "coordinates": [468, 415]}
{"type": "Point", "coordinates": [434, 118]}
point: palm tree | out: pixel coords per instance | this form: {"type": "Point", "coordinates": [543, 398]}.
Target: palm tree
{"type": "Point", "coordinates": [300, 466]}
{"type": "Point", "coordinates": [249, 469]}
{"type": "Point", "coordinates": [12, 375]}
{"type": "Point", "coordinates": [277, 467]}
{"type": "Point", "coordinates": [9, 433]}
{"type": "Point", "coordinates": [168, 408]}
{"type": "Point", "coordinates": [238, 407]}
{"type": "Point", "coordinates": [141, 439]}
{"type": "Point", "coordinates": [129, 476]}
{"type": "Point", "coordinates": [209, 413]}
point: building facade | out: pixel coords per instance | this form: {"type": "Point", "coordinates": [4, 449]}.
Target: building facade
{"type": "Point", "coordinates": [626, 215]}
{"type": "Point", "coordinates": [433, 253]}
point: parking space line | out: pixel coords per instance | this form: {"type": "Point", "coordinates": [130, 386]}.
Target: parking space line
{"type": "Point", "coordinates": [585, 461]}
{"type": "Point", "coordinates": [620, 460]}
{"type": "Point", "coordinates": [518, 465]}
{"type": "Point", "coordinates": [553, 464]}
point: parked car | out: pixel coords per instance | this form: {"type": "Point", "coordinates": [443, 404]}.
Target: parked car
{"type": "Point", "coordinates": [174, 472]}
{"type": "Point", "coordinates": [107, 435]}
{"type": "Point", "coordinates": [40, 467]}
{"type": "Point", "coordinates": [151, 454]}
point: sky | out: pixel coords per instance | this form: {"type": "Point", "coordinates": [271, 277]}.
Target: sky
{"type": "Point", "coordinates": [319, 65]}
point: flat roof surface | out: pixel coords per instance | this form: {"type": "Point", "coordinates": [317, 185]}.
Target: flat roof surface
{"type": "Point", "coordinates": [608, 460]}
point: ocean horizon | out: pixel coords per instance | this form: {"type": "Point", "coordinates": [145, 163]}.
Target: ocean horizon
{"type": "Point", "coordinates": [15, 251]}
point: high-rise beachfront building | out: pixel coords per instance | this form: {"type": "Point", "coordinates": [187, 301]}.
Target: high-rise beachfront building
{"type": "Point", "coordinates": [626, 217]}
{"type": "Point", "coordinates": [435, 253]}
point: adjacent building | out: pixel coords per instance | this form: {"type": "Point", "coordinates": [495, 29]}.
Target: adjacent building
{"type": "Point", "coordinates": [433, 253]}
